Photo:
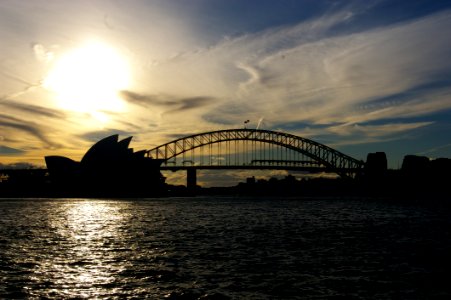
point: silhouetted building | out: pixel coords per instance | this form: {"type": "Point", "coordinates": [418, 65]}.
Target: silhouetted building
{"type": "Point", "coordinates": [415, 165]}
{"type": "Point", "coordinates": [426, 178]}
{"type": "Point", "coordinates": [376, 163]}
{"type": "Point", "coordinates": [441, 167]}
{"type": "Point", "coordinates": [250, 180]}
{"type": "Point", "coordinates": [109, 168]}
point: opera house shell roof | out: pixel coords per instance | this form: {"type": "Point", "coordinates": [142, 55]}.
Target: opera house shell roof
{"type": "Point", "coordinates": [108, 165]}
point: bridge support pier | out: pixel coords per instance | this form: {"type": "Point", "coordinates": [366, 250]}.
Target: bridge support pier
{"type": "Point", "coordinates": [191, 179]}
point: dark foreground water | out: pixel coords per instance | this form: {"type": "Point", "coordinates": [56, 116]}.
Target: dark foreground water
{"type": "Point", "coordinates": [220, 248]}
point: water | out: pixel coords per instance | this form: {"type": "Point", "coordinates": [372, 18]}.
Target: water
{"type": "Point", "coordinates": [223, 248]}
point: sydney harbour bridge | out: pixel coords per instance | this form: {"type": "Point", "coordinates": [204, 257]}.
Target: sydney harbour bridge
{"type": "Point", "coordinates": [252, 149]}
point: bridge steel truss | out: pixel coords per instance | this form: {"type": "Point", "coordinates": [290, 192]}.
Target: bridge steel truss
{"type": "Point", "coordinates": [328, 158]}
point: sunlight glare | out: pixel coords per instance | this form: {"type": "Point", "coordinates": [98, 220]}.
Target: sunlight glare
{"type": "Point", "coordinates": [88, 79]}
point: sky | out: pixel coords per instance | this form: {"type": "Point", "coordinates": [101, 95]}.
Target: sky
{"type": "Point", "coordinates": [358, 76]}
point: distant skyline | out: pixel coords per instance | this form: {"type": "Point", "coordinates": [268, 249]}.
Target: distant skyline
{"type": "Point", "coordinates": [359, 76]}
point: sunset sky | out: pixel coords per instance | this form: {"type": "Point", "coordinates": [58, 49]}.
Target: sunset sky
{"type": "Point", "coordinates": [359, 76]}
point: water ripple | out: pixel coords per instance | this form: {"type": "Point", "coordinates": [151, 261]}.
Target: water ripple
{"type": "Point", "coordinates": [222, 248]}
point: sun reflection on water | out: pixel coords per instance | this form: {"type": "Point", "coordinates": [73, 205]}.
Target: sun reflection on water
{"type": "Point", "coordinates": [221, 248]}
{"type": "Point", "coordinates": [85, 259]}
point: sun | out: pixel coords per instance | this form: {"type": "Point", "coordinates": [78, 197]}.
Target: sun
{"type": "Point", "coordinates": [88, 79]}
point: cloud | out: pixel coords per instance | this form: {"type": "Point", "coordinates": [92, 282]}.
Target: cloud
{"type": "Point", "coordinates": [95, 136]}
{"type": "Point", "coordinates": [171, 104]}
{"type": "Point", "coordinates": [4, 150]}
{"type": "Point", "coordinates": [33, 109]}
{"type": "Point", "coordinates": [341, 134]}
{"type": "Point", "coordinates": [324, 80]}
{"type": "Point", "coordinates": [331, 77]}
{"type": "Point", "coordinates": [176, 136]}
{"type": "Point", "coordinates": [43, 54]}
{"type": "Point", "coordinates": [375, 130]}
{"type": "Point", "coordinates": [310, 73]}
{"type": "Point", "coordinates": [436, 150]}
{"type": "Point", "coordinates": [26, 127]}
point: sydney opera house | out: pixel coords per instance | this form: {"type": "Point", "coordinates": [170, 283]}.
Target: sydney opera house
{"type": "Point", "coordinates": [109, 168]}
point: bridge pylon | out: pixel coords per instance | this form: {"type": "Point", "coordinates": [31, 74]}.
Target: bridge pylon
{"type": "Point", "coordinates": [191, 179]}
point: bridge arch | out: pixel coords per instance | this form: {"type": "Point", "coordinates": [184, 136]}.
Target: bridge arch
{"type": "Point", "coordinates": [331, 159]}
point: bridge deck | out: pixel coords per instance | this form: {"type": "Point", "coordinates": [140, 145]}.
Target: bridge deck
{"type": "Point", "coordinates": [250, 167]}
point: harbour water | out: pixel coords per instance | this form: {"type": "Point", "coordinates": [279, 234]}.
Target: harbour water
{"type": "Point", "coordinates": [224, 248]}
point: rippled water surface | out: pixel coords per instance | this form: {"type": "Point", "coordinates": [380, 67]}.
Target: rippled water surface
{"type": "Point", "coordinates": [221, 248]}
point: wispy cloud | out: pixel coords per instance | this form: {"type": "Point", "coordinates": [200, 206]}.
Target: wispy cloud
{"type": "Point", "coordinates": [329, 75]}
{"type": "Point", "coordinates": [32, 109]}
{"type": "Point", "coordinates": [4, 150]}
{"type": "Point", "coordinates": [375, 130]}
{"type": "Point", "coordinates": [435, 150]}
{"type": "Point", "coordinates": [30, 128]}
{"type": "Point", "coordinates": [308, 73]}
{"type": "Point", "coordinates": [169, 103]}
{"type": "Point", "coordinates": [95, 136]}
